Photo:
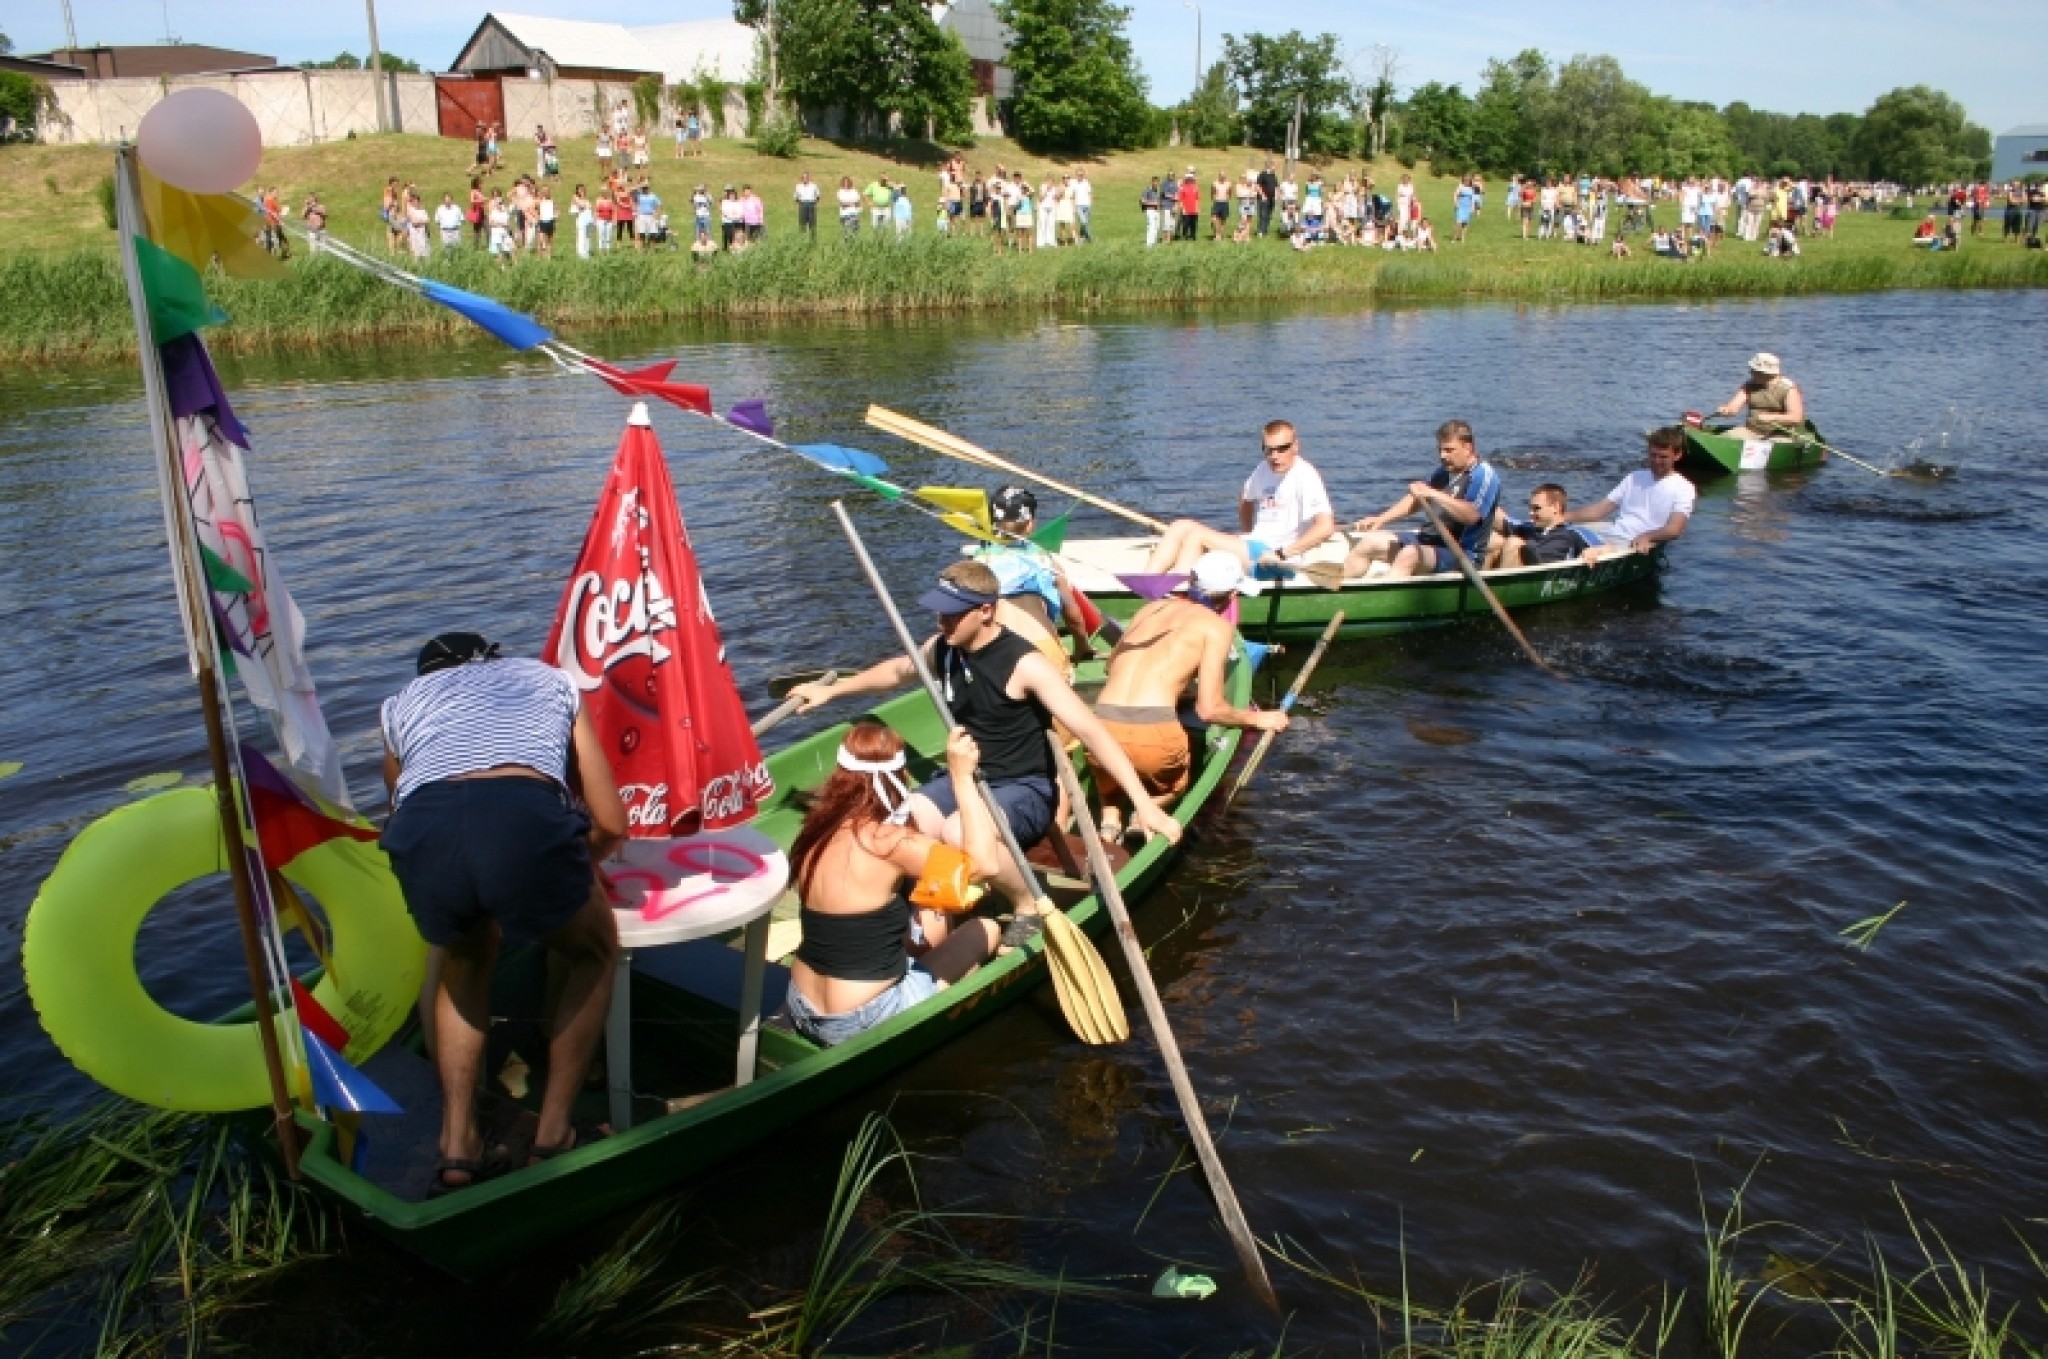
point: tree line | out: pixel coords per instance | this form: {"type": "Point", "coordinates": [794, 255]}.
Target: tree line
{"type": "Point", "coordinates": [1078, 90]}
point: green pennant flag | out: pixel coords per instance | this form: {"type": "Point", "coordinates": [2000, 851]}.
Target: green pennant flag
{"type": "Point", "coordinates": [223, 577]}
{"type": "Point", "coordinates": [177, 297]}
{"type": "Point", "coordinates": [880, 488]}
{"type": "Point", "coordinates": [1052, 534]}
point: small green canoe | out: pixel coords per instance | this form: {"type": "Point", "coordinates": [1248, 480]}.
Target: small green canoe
{"type": "Point", "coordinates": [1723, 452]}
{"type": "Point", "coordinates": [1297, 608]}
{"type": "Point", "coordinates": [685, 1022]}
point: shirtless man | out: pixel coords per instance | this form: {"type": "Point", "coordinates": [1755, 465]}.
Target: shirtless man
{"type": "Point", "coordinates": [1169, 642]}
{"type": "Point", "coordinates": [1282, 512]}
{"type": "Point", "coordinates": [1007, 694]}
{"type": "Point", "coordinates": [1464, 492]}
{"type": "Point", "coordinates": [1773, 400]}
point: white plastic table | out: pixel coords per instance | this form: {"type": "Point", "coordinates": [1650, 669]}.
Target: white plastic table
{"type": "Point", "coordinates": [674, 891]}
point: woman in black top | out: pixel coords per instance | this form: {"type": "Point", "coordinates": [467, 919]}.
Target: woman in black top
{"type": "Point", "coordinates": [851, 863]}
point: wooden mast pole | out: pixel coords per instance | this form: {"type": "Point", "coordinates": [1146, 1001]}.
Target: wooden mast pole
{"type": "Point", "coordinates": [196, 608]}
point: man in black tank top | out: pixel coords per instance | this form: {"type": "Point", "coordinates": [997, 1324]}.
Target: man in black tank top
{"type": "Point", "coordinates": [1007, 695]}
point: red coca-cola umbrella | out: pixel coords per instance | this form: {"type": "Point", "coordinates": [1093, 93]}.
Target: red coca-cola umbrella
{"type": "Point", "coordinates": [635, 633]}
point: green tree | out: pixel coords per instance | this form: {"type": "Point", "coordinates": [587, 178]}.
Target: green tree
{"type": "Point", "coordinates": [1271, 72]}
{"type": "Point", "coordinates": [1437, 124]}
{"type": "Point", "coordinates": [1503, 129]}
{"type": "Point", "coordinates": [349, 61]}
{"type": "Point", "coordinates": [1589, 117]}
{"type": "Point", "coordinates": [1916, 136]}
{"type": "Point", "coordinates": [1684, 140]}
{"type": "Point", "coordinates": [1078, 89]}
{"type": "Point", "coordinates": [876, 59]}
{"type": "Point", "coordinates": [1209, 117]}
{"type": "Point", "coordinates": [6, 45]}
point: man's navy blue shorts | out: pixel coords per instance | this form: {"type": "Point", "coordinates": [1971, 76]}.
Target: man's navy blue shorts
{"type": "Point", "coordinates": [1436, 558]}
{"type": "Point", "coordinates": [1028, 804]}
{"type": "Point", "coordinates": [468, 851]}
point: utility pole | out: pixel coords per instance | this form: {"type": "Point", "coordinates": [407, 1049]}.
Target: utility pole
{"type": "Point", "coordinates": [377, 67]}
{"type": "Point", "coordinates": [1190, 4]}
{"type": "Point", "coordinates": [70, 29]}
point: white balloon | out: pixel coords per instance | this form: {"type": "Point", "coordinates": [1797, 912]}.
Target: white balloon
{"type": "Point", "coordinates": [201, 140]}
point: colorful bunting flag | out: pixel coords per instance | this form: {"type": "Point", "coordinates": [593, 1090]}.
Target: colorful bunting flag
{"type": "Point", "coordinates": [207, 228]}
{"type": "Point", "coordinates": [338, 1085]}
{"type": "Point", "coordinates": [624, 380]}
{"type": "Point", "coordinates": [288, 822]}
{"type": "Point", "coordinates": [317, 1021]}
{"type": "Point", "coordinates": [839, 458]}
{"type": "Point", "coordinates": [192, 386]}
{"type": "Point", "coordinates": [513, 327]}
{"type": "Point", "coordinates": [1152, 586]}
{"type": "Point", "coordinates": [1052, 534]}
{"type": "Point", "coordinates": [176, 296]}
{"type": "Point", "coordinates": [751, 416]}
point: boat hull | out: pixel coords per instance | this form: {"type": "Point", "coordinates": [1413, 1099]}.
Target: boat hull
{"type": "Point", "coordinates": [1713, 453]}
{"type": "Point", "coordinates": [474, 1231]}
{"type": "Point", "coordinates": [1299, 609]}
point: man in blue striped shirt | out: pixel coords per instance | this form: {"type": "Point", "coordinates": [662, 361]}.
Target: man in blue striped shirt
{"type": "Point", "coordinates": [1464, 492]}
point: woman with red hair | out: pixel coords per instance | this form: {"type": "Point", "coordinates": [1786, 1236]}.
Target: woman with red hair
{"type": "Point", "coordinates": [851, 863]}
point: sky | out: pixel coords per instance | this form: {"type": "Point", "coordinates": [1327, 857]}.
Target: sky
{"type": "Point", "coordinates": [1791, 56]}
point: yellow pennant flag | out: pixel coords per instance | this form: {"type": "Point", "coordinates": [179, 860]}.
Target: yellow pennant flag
{"type": "Point", "coordinates": [201, 227]}
{"type": "Point", "coordinates": [966, 509]}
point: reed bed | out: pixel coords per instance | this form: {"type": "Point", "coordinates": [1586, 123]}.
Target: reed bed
{"type": "Point", "coordinates": [70, 307]}
{"type": "Point", "coordinates": [133, 1233]}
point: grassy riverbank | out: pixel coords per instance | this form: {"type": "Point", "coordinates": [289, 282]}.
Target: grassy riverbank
{"type": "Point", "coordinates": [163, 1233]}
{"type": "Point", "coordinates": [57, 266]}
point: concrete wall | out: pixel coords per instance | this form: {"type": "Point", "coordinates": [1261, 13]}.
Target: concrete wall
{"type": "Point", "coordinates": [293, 108]}
{"type": "Point", "coordinates": [297, 108]}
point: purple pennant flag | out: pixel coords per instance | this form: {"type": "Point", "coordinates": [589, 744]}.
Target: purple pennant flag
{"type": "Point", "coordinates": [751, 416]}
{"type": "Point", "coordinates": [193, 386]}
{"type": "Point", "coordinates": [337, 1085]}
{"type": "Point", "coordinates": [1152, 587]}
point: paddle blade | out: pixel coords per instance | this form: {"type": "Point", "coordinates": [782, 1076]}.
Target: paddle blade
{"type": "Point", "coordinates": [1324, 575]}
{"type": "Point", "coordinates": [1052, 534]}
{"type": "Point", "coordinates": [839, 458]}
{"type": "Point", "coordinates": [1152, 586]}
{"type": "Point", "coordinates": [1081, 982]}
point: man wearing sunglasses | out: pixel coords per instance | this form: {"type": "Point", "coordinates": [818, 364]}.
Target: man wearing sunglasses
{"type": "Point", "coordinates": [1282, 512]}
{"type": "Point", "coordinates": [1544, 538]}
{"type": "Point", "coordinates": [1006, 694]}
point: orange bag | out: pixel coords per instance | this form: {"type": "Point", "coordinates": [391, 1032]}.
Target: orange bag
{"type": "Point", "coordinates": [947, 881]}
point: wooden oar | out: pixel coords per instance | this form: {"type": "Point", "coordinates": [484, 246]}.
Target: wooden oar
{"type": "Point", "coordinates": [939, 441]}
{"type": "Point", "coordinates": [1493, 600]}
{"type": "Point", "coordinates": [1809, 442]}
{"type": "Point", "coordinates": [1112, 898]}
{"type": "Point", "coordinates": [789, 707]}
{"type": "Point", "coordinates": [1251, 766]}
{"type": "Point", "coordinates": [1087, 997]}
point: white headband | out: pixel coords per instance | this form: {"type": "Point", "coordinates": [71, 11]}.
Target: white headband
{"type": "Point", "coordinates": [877, 771]}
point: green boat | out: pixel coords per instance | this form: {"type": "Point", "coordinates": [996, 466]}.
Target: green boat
{"type": "Point", "coordinates": [1731, 449]}
{"type": "Point", "coordinates": [685, 1016]}
{"type": "Point", "coordinates": [1299, 608]}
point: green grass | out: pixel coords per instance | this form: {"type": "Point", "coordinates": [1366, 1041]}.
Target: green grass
{"type": "Point", "coordinates": [65, 299]}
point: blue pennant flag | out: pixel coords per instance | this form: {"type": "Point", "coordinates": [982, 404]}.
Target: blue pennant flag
{"type": "Point", "coordinates": [842, 459]}
{"type": "Point", "coordinates": [1255, 652]}
{"type": "Point", "coordinates": [337, 1085]}
{"type": "Point", "coordinates": [515, 328]}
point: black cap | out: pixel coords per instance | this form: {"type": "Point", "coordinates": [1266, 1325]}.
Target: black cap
{"type": "Point", "coordinates": [452, 649]}
{"type": "Point", "coordinates": [1012, 504]}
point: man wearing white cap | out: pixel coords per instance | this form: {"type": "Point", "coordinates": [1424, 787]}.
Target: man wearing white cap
{"type": "Point", "coordinates": [1170, 642]}
{"type": "Point", "coordinates": [1773, 400]}
{"type": "Point", "coordinates": [1283, 511]}
{"type": "Point", "coordinates": [1007, 695]}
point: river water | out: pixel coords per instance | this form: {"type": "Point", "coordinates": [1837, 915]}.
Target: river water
{"type": "Point", "coordinates": [1502, 971]}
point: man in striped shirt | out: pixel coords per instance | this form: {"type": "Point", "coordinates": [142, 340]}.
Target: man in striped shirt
{"type": "Point", "coordinates": [483, 757]}
{"type": "Point", "coordinates": [1464, 492]}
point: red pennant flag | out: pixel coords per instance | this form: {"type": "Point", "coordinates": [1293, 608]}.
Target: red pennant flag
{"type": "Point", "coordinates": [653, 381]}
{"type": "Point", "coordinates": [636, 635]}
{"type": "Point", "coordinates": [288, 823]}
{"type": "Point", "coordinates": [1090, 617]}
{"type": "Point", "coordinates": [313, 1015]}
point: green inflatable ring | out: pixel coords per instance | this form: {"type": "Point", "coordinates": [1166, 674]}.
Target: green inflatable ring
{"type": "Point", "coordinates": [78, 949]}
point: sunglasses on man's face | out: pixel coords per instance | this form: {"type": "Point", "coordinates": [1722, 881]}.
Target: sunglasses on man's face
{"type": "Point", "coordinates": [1277, 448]}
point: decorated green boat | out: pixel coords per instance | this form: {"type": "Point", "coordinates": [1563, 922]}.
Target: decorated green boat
{"type": "Point", "coordinates": [685, 1016]}
{"type": "Point", "coordinates": [1300, 608]}
{"type": "Point", "coordinates": [1725, 451]}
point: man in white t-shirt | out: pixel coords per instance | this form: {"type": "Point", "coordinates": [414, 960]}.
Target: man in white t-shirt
{"type": "Point", "coordinates": [1650, 506]}
{"type": "Point", "coordinates": [448, 218]}
{"type": "Point", "coordinates": [1282, 512]}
